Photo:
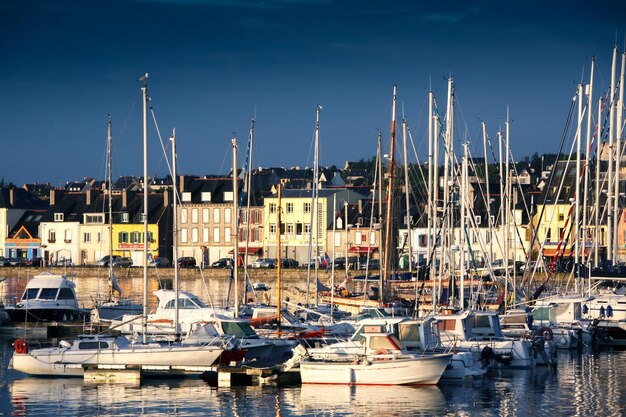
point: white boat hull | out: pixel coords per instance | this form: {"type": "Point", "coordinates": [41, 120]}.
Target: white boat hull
{"type": "Point", "coordinates": [65, 362]}
{"type": "Point", "coordinates": [419, 370]}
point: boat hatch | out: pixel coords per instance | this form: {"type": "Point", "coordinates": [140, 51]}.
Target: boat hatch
{"type": "Point", "coordinates": [373, 329]}
{"type": "Point", "coordinates": [238, 329]}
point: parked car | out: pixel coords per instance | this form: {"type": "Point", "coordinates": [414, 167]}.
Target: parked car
{"type": "Point", "coordinates": [20, 261]}
{"type": "Point", "coordinates": [186, 262]}
{"type": "Point", "coordinates": [289, 263]}
{"type": "Point", "coordinates": [123, 262]}
{"type": "Point", "coordinates": [264, 263]}
{"type": "Point", "coordinates": [159, 262]}
{"type": "Point", "coordinates": [371, 265]}
{"type": "Point", "coordinates": [105, 260]}
{"type": "Point", "coordinates": [222, 263]}
{"type": "Point", "coordinates": [37, 261]}
{"type": "Point", "coordinates": [4, 261]}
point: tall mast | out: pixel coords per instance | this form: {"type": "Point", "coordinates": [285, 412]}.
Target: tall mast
{"type": "Point", "coordinates": [507, 207]}
{"type": "Point", "coordinates": [430, 208]}
{"type": "Point", "coordinates": [619, 110]}
{"type": "Point", "coordinates": [587, 152]}
{"type": "Point", "coordinates": [578, 137]}
{"type": "Point", "coordinates": [407, 192]}
{"type": "Point", "coordinates": [464, 175]}
{"type": "Point", "coordinates": [490, 225]}
{"type": "Point", "coordinates": [175, 233]}
{"type": "Point", "coordinates": [314, 226]}
{"type": "Point", "coordinates": [609, 223]}
{"type": "Point", "coordinates": [248, 197]}
{"type": "Point", "coordinates": [144, 91]}
{"type": "Point", "coordinates": [235, 228]}
{"type": "Point", "coordinates": [596, 214]}
{"type": "Point", "coordinates": [279, 262]}
{"type": "Point", "coordinates": [109, 189]}
{"type": "Point", "coordinates": [388, 220]}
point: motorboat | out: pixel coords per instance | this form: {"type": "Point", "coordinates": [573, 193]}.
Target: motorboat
{"type": "Point", "coordinates": [47, 297]}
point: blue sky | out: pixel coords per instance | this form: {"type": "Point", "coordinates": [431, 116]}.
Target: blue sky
{"type": "Point", "coordinates": [67, 64]}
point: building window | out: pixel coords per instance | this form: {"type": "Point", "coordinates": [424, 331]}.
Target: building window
{"type": "Point", "coordinates": [124, 217]}
{"type": "Point", "coordinates": [272, 208]}
{"type": "Point", "coordinates": [205, 235]}
{"type": "Point", "coordinates": [194, 215]}
{"type": "Point", "coordinates": [86, 237]}
{"type": "Point", "coordinates": [289, 229]}
{"type": "Point", "coordinates": [186, 197]}
{"type": "Point", "coordinates": [58, 217]}
{"type": "Point", "coordinates": [205, 196]}
{"type": "Point", "coordinates": [183, 216]}
{"type": "Point", "coordinates": [298, 229]}
{"type": "Point", "coordinates": [216, 235]}
{"type": "Point", "coordinates": [256, 235]}
{"type": "Point", "coordinates": [194, 235]}
{"type": "Point", "coordinates": [205, 215]}
{"type": "Point", "coordinates": [373, 238]}
{"type": "Point", "coordinates": [183, 235]}
{"type": "Point", "coordinates": [477, 219]}
{"type": "Point", "coordinates": [94, 218]}
{"type": "Point", "coordinates": [135, 237]}
{"type": "Point", "coordinates": [337, 239]}
{"type": "Point", "coordinates": [272, 229]}
{"type": "Point", "coordinates": [52, 236]}
{"type": "Point", "coordinates": [216, 215]}
{"type": "Point", "coordinates": [123, 237]}
{"type": "Point", "coordinates": [289, 207]}
{"type": "Point", "coordinates": [228, 196]}
{"type": "Point", "coordinates": [227, 235]}
{"type": "Point", "coordinates": [227, 216]}
{"type": "Point", "coordinates": [307, 228]}
{"type": "Point", "coordinates": [99, 236]}
{"type": "Point", "coordinates": [68, 236]}
{"type": "Point", "coordinates": [307, 207]}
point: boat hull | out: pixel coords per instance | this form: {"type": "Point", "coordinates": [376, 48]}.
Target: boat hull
{"type": "Point", "coordinates": [30, 315]}
{"type": "Point", "coordinates": [66, 362]}
{"type": "Point", "coordinates": [414, 370]}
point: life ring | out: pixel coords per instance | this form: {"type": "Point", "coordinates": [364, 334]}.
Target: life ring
{"type": "Point", "coordinates": [381, 351]}
{"type": "Point", "coordinates": [20, 346]}
{"type": "Point", "coordinates": [546, 333]}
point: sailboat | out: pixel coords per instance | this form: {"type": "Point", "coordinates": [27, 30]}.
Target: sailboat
{"type": "Point", "coordinates": [114, 309]}
{"type": "Point", "coordinates": [105, 351]}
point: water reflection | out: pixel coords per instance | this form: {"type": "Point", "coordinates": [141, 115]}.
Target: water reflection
{"type": "Point", "coordinates": [371, 400]}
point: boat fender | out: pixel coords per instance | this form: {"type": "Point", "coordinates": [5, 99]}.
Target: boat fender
{"type": "Point", "coordinates": [546, 332]}
{"type": "Point", "coordinates": [20, 346]}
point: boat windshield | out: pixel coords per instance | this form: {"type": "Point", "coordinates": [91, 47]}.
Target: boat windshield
{"type": "Point", "coordinates": [48, 293]}
{"type": "Point", "coordinates": [238, 329]}
{"type": "Point", "coordinates": [30, 294]}
{"type": "Point", "coordinates": [186, 303]}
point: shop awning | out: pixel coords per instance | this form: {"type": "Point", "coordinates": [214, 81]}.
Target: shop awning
{"type": "Point", "coordinates": [362, 249]}
{"type": "Point", "coordinates": [251, 250]}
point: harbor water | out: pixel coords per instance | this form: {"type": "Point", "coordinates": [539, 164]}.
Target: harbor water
{"type": "Point", "coordinates": [583, 384]}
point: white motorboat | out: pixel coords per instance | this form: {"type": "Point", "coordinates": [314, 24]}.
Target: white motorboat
{"type": "Point", "coordinates": [371, 358]}
{"type": "Point", "coordinates": [47, 297]}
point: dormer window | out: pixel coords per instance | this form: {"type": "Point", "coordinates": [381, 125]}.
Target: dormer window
{"type": "Point", "coordinates": [206, 196]}
{"type": "Point", "coordinates": [58, 217]}
{"type": "Point", "coordinates": [228, 196]}
{"type": "Point", "coordinates": [124, 217]}
{"type": "Point", "coordinates": [186, 197]}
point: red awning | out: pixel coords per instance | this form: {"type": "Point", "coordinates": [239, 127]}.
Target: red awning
{"type": "Point", "coordinates": [251, 250]}
{"type": "Point", "coordinates": [362, 249]}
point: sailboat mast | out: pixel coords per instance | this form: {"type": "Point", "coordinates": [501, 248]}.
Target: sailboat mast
{"type": "Point", "coordinates": [314, 226]}
{"type": "Point", "coordinates": [577, 228]}
{"type": "Point", "coordinates": [144, 91]}
{"type": "Point", "coordinates": [489, 224]}
{"type": "Point", "coordinates": [407, 191]}
{"type": "Point", "coordinates": [388, 220]}
{"type": "Point", "coordinates": [587, 171]}
{"type": "Point", "coordinates": [248, 198]}
{"type": "Point", "coordinates": [619, 110]}
{"type": "Point", "coordinates": [109, 189]}
{"type": "Point", "coordinates": [175, 233]}
{"type": "Point", "coordinates": [279, 262]}
{"type": "Point", "coordinates": [430, 208]}
{"type": "Point", "coordinates": [596, 214]}
{"type": "Point", "coordinates": [609, 223]}
{"type": "Point", "coordinates": [235, 228]}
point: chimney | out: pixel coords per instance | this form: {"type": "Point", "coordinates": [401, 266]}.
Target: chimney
{"type": "Point", "coordinates": [181, 184]}
{"type": "Point", "coordinates": [124, 198]}
{"type": "Point", "coordinates": [88, 197]}
{"type": "Point", "coordinates": [11, 196]}
{"type": "Point", "coordinates": [166, 198]}
{"type": "Point", "coordinates": [52, 197]}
